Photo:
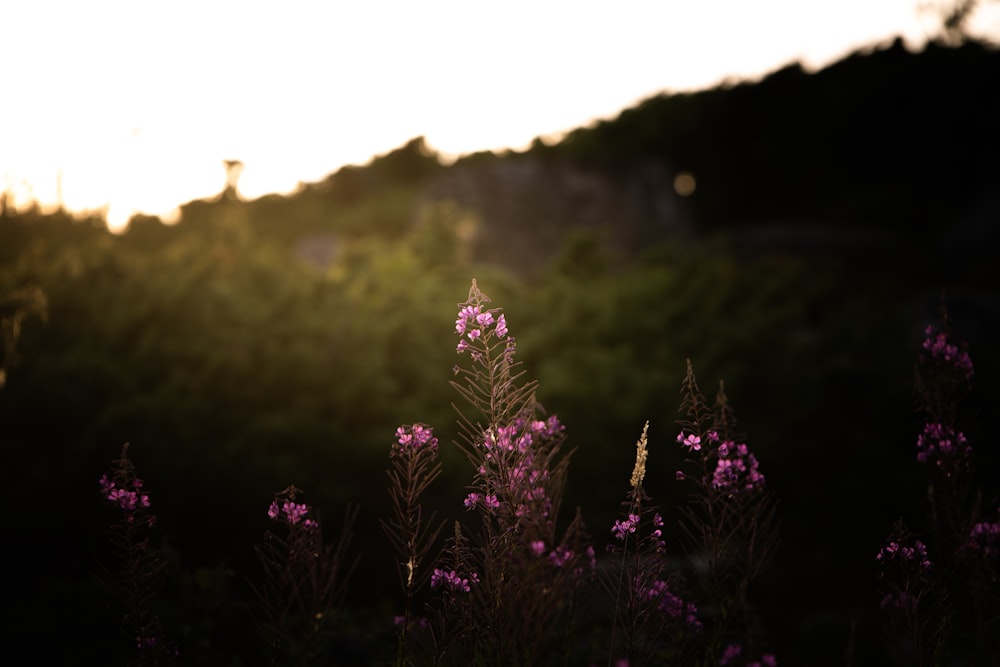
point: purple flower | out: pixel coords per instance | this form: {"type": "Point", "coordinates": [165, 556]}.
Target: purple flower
{"type": "Point", "coordinates": [668, 603]}
{"type": "Point", "coordinates": [501, 327]}
{"type": "Point", "coordinates": [489, 501]}
{"type": "Point", "coordinates": [452, 581]}
{"type": "Point", "coordinates": [127, 499]}
{"type": "Point", "coordinates": [465, 315]}
{"type": "Point", "coordinates": [538, 547]}
{"type": "Point", "coordinates": [623, 528]}
{"type": "Point", "coordinates": [469, 312]}
{"type": "Point", "coordinates": [550, 428]}
{"type": "Point", "coordinates": [475, 323]}
{"type": "Point", "coordinates": [415, 437]}
{"type": "Point", "coordinates": [292, 513]}
{"type": "Point", "coordinates": [942, 351]}
{"type": "Point", "coordinates": [560, 556]}
{"type": "Point", "coordinates": [471, 500]}
{"type": "Point", "coordinates": [941, 445]}
{"type": "Point", "coordinates": [737, 470]}
{"type": "Point", "coordinates": [985, 538]}
{"type": "Point", "coordinates": [691, 441]}
{"type": "Point", "coordinates": [914, 554]}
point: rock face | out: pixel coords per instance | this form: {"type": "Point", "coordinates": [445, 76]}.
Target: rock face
{"type": "Point", "coordinates": [527, 205]}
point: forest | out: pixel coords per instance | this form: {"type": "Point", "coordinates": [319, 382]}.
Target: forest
{"type": "Point", "coordinates": [259, 344]}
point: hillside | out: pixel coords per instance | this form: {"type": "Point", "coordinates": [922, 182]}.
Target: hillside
{"type": "Point", "coordinates": [881, 142]}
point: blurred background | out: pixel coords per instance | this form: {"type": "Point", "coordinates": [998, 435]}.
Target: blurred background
{"type": "Point", "coordinates": [235, 237]}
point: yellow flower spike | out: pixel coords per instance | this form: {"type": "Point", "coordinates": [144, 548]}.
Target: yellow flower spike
{"type": "Point", "coordinates": [639, 472]}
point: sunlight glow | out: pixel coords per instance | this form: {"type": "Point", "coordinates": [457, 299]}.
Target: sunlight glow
{"type": "Point", "coordinates": [133, 108]}
{"type": "Point", "coordinates": [685, 184]}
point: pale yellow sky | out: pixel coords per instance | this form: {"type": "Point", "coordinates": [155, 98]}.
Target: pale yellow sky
{"type": "Point", "coordinates": [134, 105]}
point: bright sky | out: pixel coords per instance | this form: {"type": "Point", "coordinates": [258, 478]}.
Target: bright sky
{"type": "Point", "coordinates": [134, 105]}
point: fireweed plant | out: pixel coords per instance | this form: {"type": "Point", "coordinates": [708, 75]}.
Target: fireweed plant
{"type": "Point", "coordinates": [511, 580]}
{"type": "Point", "coordinates": [939, 600]}
{"type": "Point", "coordinates": [729, 525]}
{"type": "Point", "coordinates": [531, 573]}
{"type": "Point", "coordinates": [300, 597]}
{"type": "Point", "coordinates": [137, 574]}
{"type": "Point", "coordinates": [650, 623]}
{"type": "Point", "coordinates": [415, 466]}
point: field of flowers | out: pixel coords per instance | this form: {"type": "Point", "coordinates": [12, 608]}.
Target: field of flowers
{"type": "Point", "coordinates": [518, 579]}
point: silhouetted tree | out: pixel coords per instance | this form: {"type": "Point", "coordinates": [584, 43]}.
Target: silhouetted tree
{"type": "Point", "coordinates": [955, 17]}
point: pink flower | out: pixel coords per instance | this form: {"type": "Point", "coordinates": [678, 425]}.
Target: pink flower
{"type": "Point", "coordinates": [623, 528]}
{"type": "Point", "coordinates": [560, 556]}
{"type": "Point", "coordinates": [415, 436]}
{"type": "Point", "coordinates": [943, 351]}
{"type": "Point", "coordinates": [290, 512]}
{"type": "Point", "coordinates": [691, 441]}
{"type": "Point", "coordinates": [736, 470]}
{"type": "Point", "coordinates": [471, 500]}
{"type": "Point", "coordinates": [451, 580]}
{"type": "Point", "coordinates": [294, 512]}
